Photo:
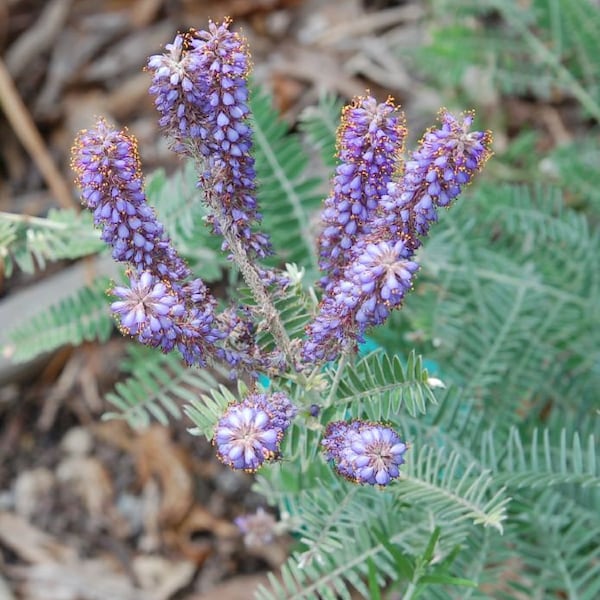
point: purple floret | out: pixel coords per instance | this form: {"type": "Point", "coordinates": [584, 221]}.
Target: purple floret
{"type": "Point", "coordinates": [278, 406]}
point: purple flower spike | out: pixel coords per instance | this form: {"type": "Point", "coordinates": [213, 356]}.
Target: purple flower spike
{"type": "Point", "coordinates": [364, 452]}
{"type": "Point", "coordinates": [370, 142]}
{"type": "Point", "coordinates": [372, 285]}
{"type": "Point", "coordinates": [108, 171]}
{"type": "Point", "coordinates": [246, 437]}
{"type": "Point", "coordinates": [446, 160]}
{"type": "Point", "coordinates": [201, 92]}
{"type": "Point", "coordinates": [368, 266]}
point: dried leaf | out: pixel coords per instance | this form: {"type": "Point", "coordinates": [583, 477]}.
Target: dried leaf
{"type": "Point", "coordinates": [161, 577]}
{"type": "Point", "coordinates": [157, 456]}
{"type": "Point", "coordinates": [31, 544]}
{"type": "Point", "coordinates": [90, 480]}
{"type": "Point", "coordinates": [239, 588]}
{"type": "Point", "coordinates": [85, 580]}
{"type": "Point", "coordinates": [30, 489]}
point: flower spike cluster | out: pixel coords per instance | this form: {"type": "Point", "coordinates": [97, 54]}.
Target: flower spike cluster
{"type": "Point", "coordinates": [250, 432]}
{"type": "Point", "coordinates": [364, 452]}
{"type": "Point", "coordinates": [374, 219]}
{"type": "Point", "coordinates": [379, 261]}
{"type": "Point", "coordinates": [370, 140]}
{"type": "Point", "coordinates": [201, 92]}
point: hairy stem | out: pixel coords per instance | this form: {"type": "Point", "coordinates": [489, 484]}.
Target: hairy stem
{"type": "Point", "coordinates": [254, 282]}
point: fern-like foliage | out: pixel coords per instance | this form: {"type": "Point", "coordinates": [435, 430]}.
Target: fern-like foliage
{"type": "Point", "coordinates": [157, 386]}
{"type": "Point", "coordinates": [535, 47]}
{"type": "Point", "coordinates": [557, 548]}
{"type": "Point", "coordinates": [84, 316]}
{"type": "Point", "coordinates": [556, 465]}
{"type": "Point", "coordinates": [340, 520]}
{"type": "Point", "coordinates": [442, 487]}
{"type": "Point", "coordinates": [29, 243]}
{"type": "Point", "coordinates": [288, 196]}
{"type": "Point", "coordinates": [334, 575]}
{"type": "Point", "coordinates": [545, 462]}
{"type": "Point", "coordinates": [574, 167]}
{"type": "Point", "coordinates": [379, 386]}
{"type": "Point", "coordinates": [319, 124]}
{"type": "Point", "coordinates": [488, 267]}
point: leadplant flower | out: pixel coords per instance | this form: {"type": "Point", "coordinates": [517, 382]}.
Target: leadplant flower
{"type": "Point", "coordinates": [374, 219]}
{"type": "Point", "coordinates": [108, 172]}
{"type": "Point", "coordinates": [364, 452]}
{"type": "Point", "coordinates": [250, 433]}
{"type": "Point", "coordinates": [378, 261]}
{"type": "Point", "coordinates": [445, 161]}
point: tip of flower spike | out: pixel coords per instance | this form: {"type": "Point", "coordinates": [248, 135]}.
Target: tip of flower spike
{"type": "Point", "coordinates": [245, 438]}
{"type": "Point", "coordinates": [364, 452]}
{"type": "Point", "coordinates": [250, 432]}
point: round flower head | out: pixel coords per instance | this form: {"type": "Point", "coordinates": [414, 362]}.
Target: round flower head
{"type": "Point", "coordinates": [364, 452]}
{"type": "Point", "coordinates": [148, 309]}
{"type": "Point", "coordinates": [168, 316]}
{"type": "Point", "coordinates": [245, 437]}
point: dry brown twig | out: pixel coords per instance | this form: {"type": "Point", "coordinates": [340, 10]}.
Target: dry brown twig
{"type": "Point", "coordinates": [25, 129]}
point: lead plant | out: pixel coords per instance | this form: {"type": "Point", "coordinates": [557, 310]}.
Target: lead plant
{"type": "Point", "coordinates": [378, 210]}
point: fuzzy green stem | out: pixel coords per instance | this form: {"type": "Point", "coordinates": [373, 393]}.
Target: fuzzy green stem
{"type": "Point", "coordinates": [338, 376]}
